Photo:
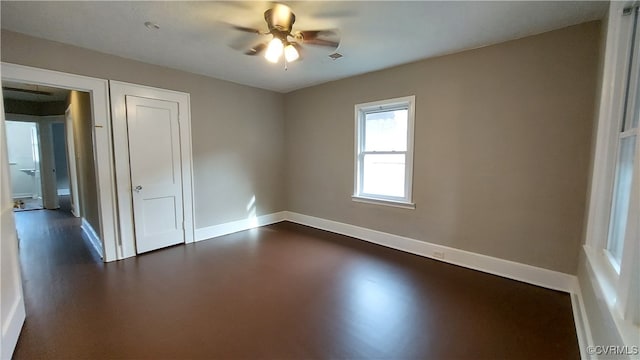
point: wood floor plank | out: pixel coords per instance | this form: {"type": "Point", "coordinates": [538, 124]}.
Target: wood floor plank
{"type": "Point", "coordinates": [283, 291]}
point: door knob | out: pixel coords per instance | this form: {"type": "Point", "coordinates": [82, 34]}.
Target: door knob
{"type": "Point", "coordinates": [138, 188]}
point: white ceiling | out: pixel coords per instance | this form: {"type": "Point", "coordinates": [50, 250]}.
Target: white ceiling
{"type": "Point", "coordinates": [196, 36]}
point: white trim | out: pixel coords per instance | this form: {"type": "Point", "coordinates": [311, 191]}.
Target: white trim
{"type": "Point", "coordinates": [121, 150]}
{"type": "Point", "coordinates": [91, 235]}
{"type": "Point", "coordinates": [615, 289]}
{"type": "Point", "coordinates": [101, 121]}
{"type": "Point", "coordinates": [608, 129]}
{"type": "Point", "coordinates": [398, 204]}
{"type": "Point", "coordinates": [64, 192]}
{"type": "Point", "coordinates": [583, 330]}
{"type": "Point", "coordinates": [607, 290]}
{"type": "Point", "coordinates": [509, 269]}
{"type": "Point", "coordinates": [360, 112]}
{"type": "Point", "coordinates": [11, 296]}
{"type": "Point", "coordinates": [11, 329]}
{"type": "Point", "coordinates": [239, 225]}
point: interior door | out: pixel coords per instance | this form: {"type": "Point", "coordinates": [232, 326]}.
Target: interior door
{"type": "Point", "coordinates": [12, 310]}
{"type": "Point", "coordinates": [154, 156]}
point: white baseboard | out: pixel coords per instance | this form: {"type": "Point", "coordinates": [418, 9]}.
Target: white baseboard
{"type": "Point", "coordinates": [509, 269]}
{"type": "Point", "coordinates": [64, 192]}
{"type": "Point", "coordinates": [583, 330]}
{"type": "Point", "coordinates": [11, 330]}
{"type": "Point", "coordinates": [239, 225]}
{"type": "Point", "coordinates": [92, 236]}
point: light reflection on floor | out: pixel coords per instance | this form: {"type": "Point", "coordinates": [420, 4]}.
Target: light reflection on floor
{"type": "Point", "coordinates": [380, 304]}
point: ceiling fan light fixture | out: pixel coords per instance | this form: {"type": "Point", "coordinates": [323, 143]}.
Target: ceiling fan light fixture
{"type": "Point", "coordinates": [291, 53]}
{"type": "Point", "coordinates": [274, 50]}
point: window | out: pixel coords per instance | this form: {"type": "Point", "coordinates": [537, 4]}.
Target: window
{"type": "Point", "coordinates": [613, 225]}
{"type": "Point", "coordinates": [384, 151]}
{"type": "Point", "coordinates": [626, 149]}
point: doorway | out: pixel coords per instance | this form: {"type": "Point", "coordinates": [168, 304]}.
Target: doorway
{"type": "Point", "coordinates": [105, 235]}
{"type": "Point", "coordinates": [50, 141]}
{"type": "Point", "coordinates": [23, 149]}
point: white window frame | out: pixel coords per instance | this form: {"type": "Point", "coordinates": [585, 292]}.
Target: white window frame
{"type": "Point", "coordinates": [615, 283]}
{"type": "Point", "coordinates": [361, 110]}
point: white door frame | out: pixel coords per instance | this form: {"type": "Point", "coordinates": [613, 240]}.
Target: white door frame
{"type": "Point", "coordinates": [121, 152]}
{"type": "Point", "coordinates": [102, 145]}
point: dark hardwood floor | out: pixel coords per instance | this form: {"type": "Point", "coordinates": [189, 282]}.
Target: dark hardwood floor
{"type": "Point", "coordinates": [283, 291]}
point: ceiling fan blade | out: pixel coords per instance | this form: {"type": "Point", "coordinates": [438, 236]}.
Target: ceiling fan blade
{"type": "Point", "coordinates": [256, 50]}
{"type": "Point", "coordinates": [314, 34]}
{"type": "Point", "coordinates": [321, 42]}
{"type": "Point", "coordinates": [247, 29]}
{"type": "Point", "coordinates": [334, 14]}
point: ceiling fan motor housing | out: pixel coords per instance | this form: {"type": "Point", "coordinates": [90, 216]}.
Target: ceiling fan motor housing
{"type": "Point", "coordinates": [280, 19]}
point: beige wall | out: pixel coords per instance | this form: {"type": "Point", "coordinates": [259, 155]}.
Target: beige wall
{"type": "Point", "coordinates": [83, 140]}
{"type": "Point", "coordinates": [237, 130]}
{"type": "Point", "coordinates": [502, 144]}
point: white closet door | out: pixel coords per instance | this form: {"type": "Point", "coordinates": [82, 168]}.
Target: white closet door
{"type": "Point", "coordinates": [155, 164]}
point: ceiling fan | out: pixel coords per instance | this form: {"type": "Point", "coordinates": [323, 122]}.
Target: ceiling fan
{"type": "Point", "coordinates": [284, 40]}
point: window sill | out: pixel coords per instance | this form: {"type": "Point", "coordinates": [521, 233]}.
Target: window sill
{"type": "Point", "coordinates": [604, 276]}
{"type": "Point", "coordinates": [398, 204]}
{"type": "Point", "coordinates": [605, 282]}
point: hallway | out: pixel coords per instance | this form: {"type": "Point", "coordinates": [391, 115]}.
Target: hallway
{"type": "Point", "coordinates": [53, 256]}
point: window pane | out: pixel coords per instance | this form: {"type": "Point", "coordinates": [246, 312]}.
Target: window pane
{"type": "Point", "coordinates": [386, 131]}
{"type": "Point", "coordinates": [621, 197]}
{"type": "Point", "coordinates": [384, 174]}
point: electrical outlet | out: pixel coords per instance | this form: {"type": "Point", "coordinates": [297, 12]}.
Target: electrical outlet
{"type": "Point", "coordinates": [438, 255]}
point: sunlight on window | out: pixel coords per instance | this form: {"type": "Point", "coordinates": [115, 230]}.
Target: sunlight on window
{"type": "Point", "coordinates": [621, 197]}
{"type": "Point", "coordinates": [386, 131]}
{"type": "Point", "coordinates": [384, 155]}
{"type": "Point", "coordinates": [384, 174]}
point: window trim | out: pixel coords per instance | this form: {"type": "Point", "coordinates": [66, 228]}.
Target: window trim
{"type": "Point", "coordinates": [386, 105]}
{"type": "Point", "coordinates": [614, 286]}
